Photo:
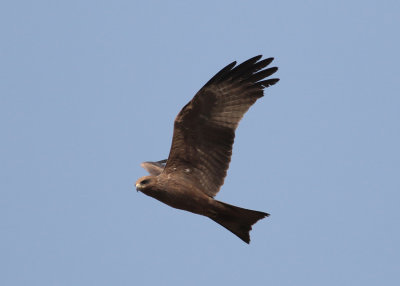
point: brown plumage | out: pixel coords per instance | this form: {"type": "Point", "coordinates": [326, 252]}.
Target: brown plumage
{"type": "Point", "coordinates": [204, 131]}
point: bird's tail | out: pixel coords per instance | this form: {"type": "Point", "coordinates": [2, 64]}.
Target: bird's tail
{"type": "Point", "coordinates": [237, 220]}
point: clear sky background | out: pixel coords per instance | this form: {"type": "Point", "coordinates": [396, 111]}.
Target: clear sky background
{"type": "Point", "coordinates": [90, 89]}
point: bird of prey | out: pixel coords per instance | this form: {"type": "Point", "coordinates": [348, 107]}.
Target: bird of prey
{"type": "Point", "coordinates": [201, 149]}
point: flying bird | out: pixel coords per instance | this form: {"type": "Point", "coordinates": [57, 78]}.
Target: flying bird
{"type": "Point", "coordinates": [201, 150]}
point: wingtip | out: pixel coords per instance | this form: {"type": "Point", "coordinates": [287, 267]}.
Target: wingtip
{"type": "Point", "coordinates": [268, 82]}
{"type": "Point", "coordinates": [232, 64]}
{"type": "Point", "coordinates": [269, 60]}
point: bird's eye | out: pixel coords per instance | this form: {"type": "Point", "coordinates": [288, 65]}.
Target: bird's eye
{"type": "Point", "coordinates": [144, 182]}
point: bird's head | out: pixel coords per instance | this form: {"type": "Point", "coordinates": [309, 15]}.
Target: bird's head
{"type": "Point", "coordinates": [145, 183]}
{"type": "Point", "coordinates": [151, 186]}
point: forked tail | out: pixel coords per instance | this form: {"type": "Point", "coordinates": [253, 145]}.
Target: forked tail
{"type": "Point", "coordinates": [237, 220]}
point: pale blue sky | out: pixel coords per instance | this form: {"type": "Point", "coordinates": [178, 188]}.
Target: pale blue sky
{"type": "Point", "coordinates": [89, 89]}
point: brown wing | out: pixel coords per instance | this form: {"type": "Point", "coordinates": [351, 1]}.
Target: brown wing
{"type": "Point", "coordinates": [154, 168]}
{"type": "Point", "coordinates": [204, 129]}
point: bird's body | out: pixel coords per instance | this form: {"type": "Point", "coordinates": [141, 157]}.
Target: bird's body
{"type": "Point", "coordinates": [178, 194]}
{"type": "Point", "coordinates": [201, 150]}
{"type": "Point", "coordinates": [182, 195]}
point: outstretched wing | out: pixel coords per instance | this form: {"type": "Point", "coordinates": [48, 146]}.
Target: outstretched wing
{"type": "Point", "coordinates": [204, 129]}
{"type": "Point", "coordinates": [154, 168]}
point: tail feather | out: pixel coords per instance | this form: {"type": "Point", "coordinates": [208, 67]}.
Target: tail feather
{"type": "Point", "coordinates": [237, 220]}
